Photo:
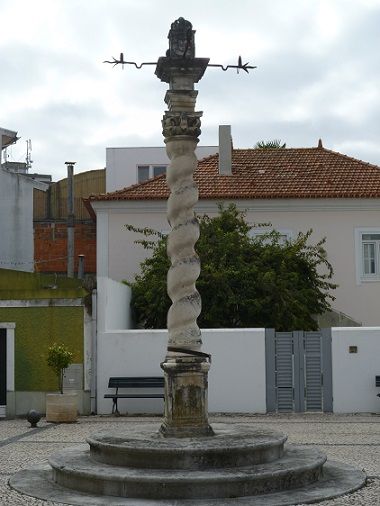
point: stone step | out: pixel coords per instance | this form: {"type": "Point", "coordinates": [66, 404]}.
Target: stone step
{"type": "Point", "coordinates": [74, 469]}
{"type": "Point", "coordinates": [233, 445]}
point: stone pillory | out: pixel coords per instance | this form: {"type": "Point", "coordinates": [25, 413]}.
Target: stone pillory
{"type": "Point", "coordinates": [185, 366]}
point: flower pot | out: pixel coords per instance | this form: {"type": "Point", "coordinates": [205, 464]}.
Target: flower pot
{"type": "Point", "coordinates": [61, 408]}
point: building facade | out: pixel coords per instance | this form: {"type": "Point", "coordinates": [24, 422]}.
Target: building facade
{"type": "Point", "coordinates": [294, 190]}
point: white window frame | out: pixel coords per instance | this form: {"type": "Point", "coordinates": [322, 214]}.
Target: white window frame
{"type": "Point", "coordinates": [151, 167]}
{"type": "Point", "coordinates": [361, 277]}
{"type": "Point", "coordinates": [257, 231]}
{"type": "Point", "coordinates": [10, 331]}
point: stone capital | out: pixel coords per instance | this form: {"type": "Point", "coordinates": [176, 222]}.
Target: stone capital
{"type": "Point", "coordinates": [181, 124]}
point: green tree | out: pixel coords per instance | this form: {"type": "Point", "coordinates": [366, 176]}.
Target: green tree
{"type": "Point", "coordinates": [244, 281]}
{"type": "Point", "coordinates": [274, 144]}
{"type": "Point", "coordinates": [59, 358]}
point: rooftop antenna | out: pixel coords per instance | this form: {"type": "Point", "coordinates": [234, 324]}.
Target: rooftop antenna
{"type": "Point", "coordinates": [29, 160]}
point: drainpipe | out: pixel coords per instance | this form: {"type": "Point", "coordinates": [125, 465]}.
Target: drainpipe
{"type": "Point", "coordinates": [94, 329]}
{"type": "Point", "coordinates": [70, 219]}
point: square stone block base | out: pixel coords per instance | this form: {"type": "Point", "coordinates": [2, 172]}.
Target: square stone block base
{"type": "Point", "coordinates": [186, 410]}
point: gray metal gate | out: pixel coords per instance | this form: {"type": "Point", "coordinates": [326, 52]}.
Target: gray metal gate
{"type": "Point", "coordinates": [298, 371]}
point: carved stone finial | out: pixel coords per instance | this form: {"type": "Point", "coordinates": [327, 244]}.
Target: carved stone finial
{"type": "Point", "coordinates": [181, 39]}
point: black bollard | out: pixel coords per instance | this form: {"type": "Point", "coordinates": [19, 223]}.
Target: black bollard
{"type": "Point", "coordinates": [33, 417]}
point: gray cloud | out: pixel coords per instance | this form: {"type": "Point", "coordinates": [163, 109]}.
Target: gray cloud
{"type": "Point", "coordinates": [318, 75]}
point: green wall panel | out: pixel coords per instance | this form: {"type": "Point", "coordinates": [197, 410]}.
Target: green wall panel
{"type": "Point", "coordinates": [36, 329]}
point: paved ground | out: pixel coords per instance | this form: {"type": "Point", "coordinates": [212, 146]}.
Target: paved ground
{"type": "Point", "coordinates": [354, 439]}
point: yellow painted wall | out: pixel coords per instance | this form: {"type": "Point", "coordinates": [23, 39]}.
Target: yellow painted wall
{"type": "Point", "coordinates": [36, 329]}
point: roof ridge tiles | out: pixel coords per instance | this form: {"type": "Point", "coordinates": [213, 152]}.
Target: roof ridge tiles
{"type": "Point", "coordinates": [351, 158]}
{"type": "Point", "coordinates": [131, 187]}
{"type": "Point", "coordinates": [313, 172]}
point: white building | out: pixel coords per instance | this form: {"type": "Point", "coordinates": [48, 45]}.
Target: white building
{"type": "Point", "coordinates": [294, 189]}
{"type": "Point", "coordinates": [128, 166]}
{"type": "Point", "coordinates": [16, 214]}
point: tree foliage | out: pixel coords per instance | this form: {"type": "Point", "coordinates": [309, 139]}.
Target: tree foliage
{"type": "Point", "coordinates": [244, 281]}
{"type": "Point", "coordinates": [59, 358]}
{"type": "Point", "coordinates": [274, 144]}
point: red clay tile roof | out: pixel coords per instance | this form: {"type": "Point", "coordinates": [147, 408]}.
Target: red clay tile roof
{"type": "Point", "coordinates": [271, 174]}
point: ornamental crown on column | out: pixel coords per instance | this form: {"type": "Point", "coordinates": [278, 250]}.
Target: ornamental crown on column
{"type": "Point", "coordinates": [181, 70]}
{"type": "Point", "coordinates": [180, 58]}
{"type": "Point", "coordinates": [181, 40]}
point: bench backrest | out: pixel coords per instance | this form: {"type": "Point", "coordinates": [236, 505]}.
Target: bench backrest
{"type": "Point", "coordinates": [139, 382]}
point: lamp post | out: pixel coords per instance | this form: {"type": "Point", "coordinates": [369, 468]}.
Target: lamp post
{"type": "Point", "coordinates": [185, 366]}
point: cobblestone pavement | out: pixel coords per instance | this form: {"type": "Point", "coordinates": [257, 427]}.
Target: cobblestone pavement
{"type": "Point", "coordinates": [353, 439]}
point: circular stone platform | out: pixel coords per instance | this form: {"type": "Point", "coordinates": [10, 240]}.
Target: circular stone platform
{"type": "Point", "coordinates": [233, 445]}
{"type": "Point", "coordinates": [240, 465]}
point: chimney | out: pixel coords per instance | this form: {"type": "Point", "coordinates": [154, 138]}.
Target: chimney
{"type": "Point", "coordinates": [80, 266]}
{"type": "Point", "coordinates": [70, 219]}
{"type": "Point", "coordinates": [225, 150]}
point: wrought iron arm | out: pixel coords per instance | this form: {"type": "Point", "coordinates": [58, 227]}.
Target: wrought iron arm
{"type": "Point", "coordinates": [240, 65]}
{"type": "Point", "coordinates": [122, 62]}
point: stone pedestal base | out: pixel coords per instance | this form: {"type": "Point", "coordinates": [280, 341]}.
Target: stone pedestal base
{"type": "Point", "coordinates": [186, 398]}
{"type": "Point", "coordinates": [62, 408]}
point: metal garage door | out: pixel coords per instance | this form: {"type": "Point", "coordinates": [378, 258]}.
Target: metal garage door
{"type": "Point", "coordinates": [298, 366]}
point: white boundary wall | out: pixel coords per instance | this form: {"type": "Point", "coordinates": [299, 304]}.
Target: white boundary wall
{"type": "Point", "coordinates": [236, 377]}
{"type": "Point", "coordinates": [354, 389]}
{"type": "Point", "coordinates": [237, 381]}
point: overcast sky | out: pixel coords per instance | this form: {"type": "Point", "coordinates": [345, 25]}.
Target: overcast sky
{"type": "Point", "coordinates": [318, 75]}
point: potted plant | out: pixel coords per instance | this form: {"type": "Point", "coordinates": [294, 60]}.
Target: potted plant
{"type": "Point", "coordinates": [60, 407]}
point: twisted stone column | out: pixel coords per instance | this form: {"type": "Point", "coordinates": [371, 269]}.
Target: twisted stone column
{"type": "Point", "coordinates": [185, 266]}
{"type": "Point", "coordinates": [185, 366]}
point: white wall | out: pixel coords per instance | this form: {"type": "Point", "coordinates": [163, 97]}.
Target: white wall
{"type": "Point", "coordinates": [16, 223]}
{"type": "Point", "coordinates": [237, 374]}
{"type": "Point", "coordinates": [121, 163]}
{"type": "Point", "coordinates": [354, 374]}
{"type": "Point", "coordinates": [237, 380]}
{"type": "Point", "coordinates": [125, 255]}
{"type": "Point", "coordinates": [113, 304]}
{"type": "Point", "coordinates": [335, 219]}
{"type": "Point", "coordinates": [236, 377]}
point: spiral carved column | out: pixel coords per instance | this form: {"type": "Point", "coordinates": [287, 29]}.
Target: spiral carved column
{"type": "Point", "coordinates": [185, 366]}
{"type": "Point", "coordinates": [185, 266]}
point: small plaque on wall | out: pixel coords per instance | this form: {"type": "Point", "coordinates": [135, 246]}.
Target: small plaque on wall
{"type": "Point", "coordinates": [73, 377]}
{"type": "Point", "coordinates": [352, 349]}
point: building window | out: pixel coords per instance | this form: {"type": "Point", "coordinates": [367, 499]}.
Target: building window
{"type": "Point", "coordinates": [367, 254]}
{"type": "Point", "coordinates": [370, 254]}
{"type": "Point", "coordinates": [145, 172]}
{"type": "Point", "coordinates": [158, 170]}
{"type": "Point", "coordinates": [142, 173]}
